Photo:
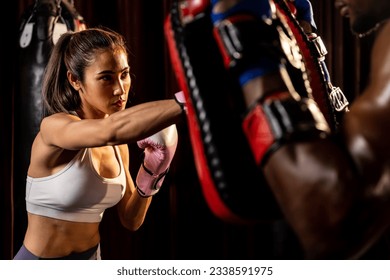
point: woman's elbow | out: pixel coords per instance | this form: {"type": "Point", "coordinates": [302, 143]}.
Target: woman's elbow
{"type": "Point", "coordinates": [133, 225]}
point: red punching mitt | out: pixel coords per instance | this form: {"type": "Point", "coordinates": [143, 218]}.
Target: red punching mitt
{"type": "Point", "coordinates": [282, 118]}
{"type": "Point", "coordinates": [233, 188]}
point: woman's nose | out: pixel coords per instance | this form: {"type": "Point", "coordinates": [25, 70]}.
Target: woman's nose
{"type": "Point", "coordinates": [120, 89]}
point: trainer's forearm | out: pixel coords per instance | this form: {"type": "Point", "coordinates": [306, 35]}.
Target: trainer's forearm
{"type": "Point", "coordinates": [322, 198]}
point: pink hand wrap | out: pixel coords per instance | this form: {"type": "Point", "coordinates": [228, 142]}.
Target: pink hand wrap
{"type": "Point", "coordinates": [181, 100]}
{"type": "Point", "coordinates": [159, 150]}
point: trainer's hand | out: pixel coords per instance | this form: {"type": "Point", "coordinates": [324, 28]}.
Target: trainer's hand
{"type": "Point", "coordinates": [159, 150]}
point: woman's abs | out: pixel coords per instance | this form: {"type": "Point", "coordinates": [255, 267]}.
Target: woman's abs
{"type": "Point", "coordinates": [52, 238]}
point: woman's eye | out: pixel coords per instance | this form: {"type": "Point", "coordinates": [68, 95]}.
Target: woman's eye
{"type": "Point", "coordinates": [106, 78]}
{"type": "Point", "coordinates": [125, 74]}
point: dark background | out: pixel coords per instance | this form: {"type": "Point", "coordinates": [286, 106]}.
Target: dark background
{"type": "Point", "coordinates": [179, 225]}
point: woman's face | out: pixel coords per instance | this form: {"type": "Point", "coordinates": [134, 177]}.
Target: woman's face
{"type": "Point", "coordinates": [106, 84]}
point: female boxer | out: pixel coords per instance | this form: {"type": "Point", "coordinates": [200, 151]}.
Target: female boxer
{"type": "Point", "coordinates": [80, 159]}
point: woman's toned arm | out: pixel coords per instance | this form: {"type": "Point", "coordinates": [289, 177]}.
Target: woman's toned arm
{"type": "Point", "coordinates": [132, 124]}
{"type": "Point", "coordinates": [132, 208]}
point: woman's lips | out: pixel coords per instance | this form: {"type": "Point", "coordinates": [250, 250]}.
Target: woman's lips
{"type": "Point", "coordinates": [119, 103]}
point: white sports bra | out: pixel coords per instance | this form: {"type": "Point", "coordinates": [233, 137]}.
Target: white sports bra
{"type": "Point", "coordinates": [76, 193]}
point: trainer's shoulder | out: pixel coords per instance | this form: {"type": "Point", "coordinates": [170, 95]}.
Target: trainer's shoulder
{"type": "Point", "coordinates": [380, 55]}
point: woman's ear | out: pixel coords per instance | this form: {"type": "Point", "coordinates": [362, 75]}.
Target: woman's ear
{"type": "Point", "coordinates": [75, 83]}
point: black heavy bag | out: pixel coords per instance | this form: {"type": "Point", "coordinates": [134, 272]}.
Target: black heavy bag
{"type": "Point", "coordinates": [41, 25]}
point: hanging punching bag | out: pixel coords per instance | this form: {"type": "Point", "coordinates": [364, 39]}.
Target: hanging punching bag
{"type": "Point", "coordinates": [41, 25]}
